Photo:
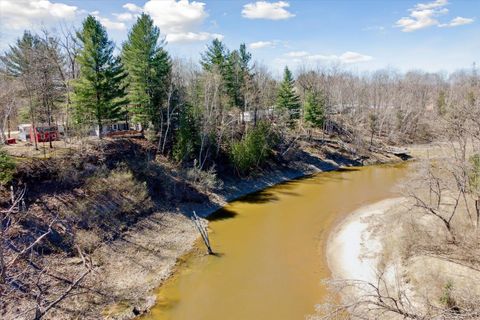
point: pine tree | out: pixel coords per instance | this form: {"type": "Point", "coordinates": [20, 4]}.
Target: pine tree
{"type": "Point", "coordinates": [243, 76]}
{"type": "Point", "coordinates": [315, 105]}
{"type": "Point", "coordinates": [245, 58]}
{"type": "Point", "coordinates": [287, 99]}
{"type": "Point", "coordinates": [187, 137]}
{"type": "Point", "coordinates": [20, 62]}
{"type": "Point", "coordinates": [233, 77]}
{"type": "Point", "coordinates": [36, 62]}
{"type": "Point", "coordinates": [215, 56]}
{"type": "Point", "coordinates": [99, 95]}
{"type": "Point", "coordinates": [148, 66]}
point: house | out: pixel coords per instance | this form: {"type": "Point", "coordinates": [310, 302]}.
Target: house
{"type": "Point", "coordinates": [112, 128]}
{"type": "Point", "coordinates": [248, 116]}
{"type": "Point", "coordinates": [24, 132]}
{"type": "Point", "coordinates": [44, 133]}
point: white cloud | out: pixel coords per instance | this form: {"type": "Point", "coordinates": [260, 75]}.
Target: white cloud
{"type": "Point", "coordinates": [263, 44]}
{"type": "Point", "coordinates": [424, 15]}
{"type": "Point", "coordinates": [458, 21]}
{"type": "Point", "coordinates": [107, 23]}
{"type": "Point", "coordinates": [431, 5]}
{"type": "Point", "coordinates": [179, 20]}
{"type": "Point", "coordinates": [297, 54]}
{"type": "Point", "coordinates": [192, 36]}
{"type": "Point", "coordinates": [354, 57]}
{"type": "Point", "coordinates": [267, 10]}
{"type": "Point", "coordinates": [132, 7]}
{"type": "Point", "coordinates": [126, 16]}
{"type": "Point", "coordinates": [176, 16]}
{"type": "Point", "coordinates": [18, 14]}
{"type": "Point", "coordinates": [348, 57]}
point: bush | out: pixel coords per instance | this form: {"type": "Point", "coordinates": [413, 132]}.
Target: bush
{"type": "Point", "coordinates": [206, 180]}
{"type": "Point", "coordinates": [112, 198]}
{"type": "Point", "coordinates": [447, 296]}
{"type": "Point", "coordinates": [7, 168]}
{"type": "Point", "coordinates": [254, 149]}
{"type": "Point", "coordinates": [87, 240]}
{"type": "Point", "coordinates": [474, 174]}
{"type": "Point", "coordinates": [315, 106]}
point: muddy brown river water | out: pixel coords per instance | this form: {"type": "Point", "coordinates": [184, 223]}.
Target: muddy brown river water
{"type": "Point", "coordinates": [271, 249]}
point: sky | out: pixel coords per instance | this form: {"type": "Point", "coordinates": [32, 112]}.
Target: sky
{"type": "Point", "coordinates": [363, 35]}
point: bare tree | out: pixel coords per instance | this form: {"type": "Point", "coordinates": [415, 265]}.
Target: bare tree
{"type": "Point", "coordinates": [22, 271]}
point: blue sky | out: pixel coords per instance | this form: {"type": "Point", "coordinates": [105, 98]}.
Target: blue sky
{"type": "Point", "coordinates": [433, 35]}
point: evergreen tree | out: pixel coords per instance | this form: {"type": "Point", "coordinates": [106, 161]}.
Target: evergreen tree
{"type": "Point", "coordinates": [287, 99]}
{"type": "Point", "coordinates": [20, 62]}
{"type": "Point", "coordinates": [187, 137]}
{"type": "Point", "coordinates": [7, 168]}
{"type": "Point", "coordinates": [233, 67]}
{"type": "Point", "coordinates": [244, 75]}
{"type": "Point", "coordinates": [245, 58]}
{"type": "Point", "coordinates": [99, 95]}
{"type": "Point", "coordinates": [315, 105]}
{"type": "Point", "coordinates": [148, 66]}
{"type": "Point", "coordinates": [36, 62]}
{"type": "Point", "coordinates": [20, 59]}
{"type": "Point", "coordinates": [233, 79]}
{"type": "Point", "coordinates": [215, 56]}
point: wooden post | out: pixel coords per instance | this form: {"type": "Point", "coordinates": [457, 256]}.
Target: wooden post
{"type": "Point", "coordinates": [203, 232]}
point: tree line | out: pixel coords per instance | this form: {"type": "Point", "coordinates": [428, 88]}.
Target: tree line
{"type": "Point", "coordinates": [214, 110]}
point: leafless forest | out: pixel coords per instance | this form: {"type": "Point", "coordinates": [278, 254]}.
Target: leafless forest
{"type": "Point", "coordinates": [225, 114]}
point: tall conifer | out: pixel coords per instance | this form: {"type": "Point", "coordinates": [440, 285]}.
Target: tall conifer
{"type": "Point", "coordinates": [148, 66]}
{"type": "Point", "coordinates": [287, 98]}
{"type": "Point", "coordinates": [99, 93]}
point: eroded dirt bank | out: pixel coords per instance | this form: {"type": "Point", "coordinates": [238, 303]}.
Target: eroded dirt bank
{"type": "Point", "coordinates": [131, 216]}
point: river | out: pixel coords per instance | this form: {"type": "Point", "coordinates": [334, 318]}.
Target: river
{"type": "Point", "coordinates": [271, 249]}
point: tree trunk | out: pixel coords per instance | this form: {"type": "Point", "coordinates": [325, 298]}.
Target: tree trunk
{"type": "Point", "coordinates": [49, 127]}
{"type": "Point", "coordinates": [99, 118]}
{"type": "Point", "coordinates": [2, 259]}
{"type": "Point", "coordinates": [477, 208]}
{"type": "Point", "coordinates": [8, 126]}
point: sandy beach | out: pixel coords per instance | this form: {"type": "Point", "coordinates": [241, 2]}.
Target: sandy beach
{"type": "Point", "coordinates": [352, 250]}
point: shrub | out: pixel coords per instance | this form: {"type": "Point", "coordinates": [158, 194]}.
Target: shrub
{"type": "Point", "coordinates": [112, 198]}
{"type": "Point", "coordinates": [206, 180]}
{"type": "Point", "coordinates": [474, 174]}
{"type": "Point", "coordinates": [315, 106]}
{"type": "Point", "coordinates": [87, 240]}
{"type": "Point", "coordinates": [447, 296]}
{"type": "Point", "coordinates": [7, 168]}
{"type": "Point", "coordinates": [254, 149]}
{"type": "Point", "coordinates": [150, 135]}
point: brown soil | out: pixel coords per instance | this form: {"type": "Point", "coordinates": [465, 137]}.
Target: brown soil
{"type": "Point", "coordinates": [134, 238]}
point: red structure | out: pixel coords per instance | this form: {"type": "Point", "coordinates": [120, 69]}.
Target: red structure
{"type": "Point", "coordinates": [44, 134]}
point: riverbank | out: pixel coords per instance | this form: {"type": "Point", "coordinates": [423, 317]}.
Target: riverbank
{"type": "Point", "coordinates": [395, 257]}
{"type": "Point", "coordinates": [353, 251]}
{"type": "Point", "coordinates": [183, 234]}
{"type": "Point", "coordinates": [148, 204]}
